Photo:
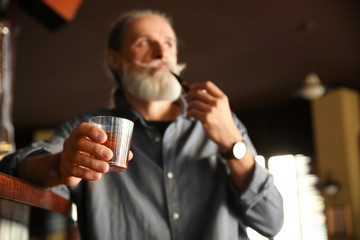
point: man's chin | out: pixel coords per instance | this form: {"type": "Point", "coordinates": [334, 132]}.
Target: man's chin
{"type": "Point", "coordinates": [157, 84]}
{"type": "Point", "coordinates": [147, 93]}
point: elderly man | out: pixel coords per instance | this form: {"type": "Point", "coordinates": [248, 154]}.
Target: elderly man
{"type": "Point", "coordinates": [193, 174]}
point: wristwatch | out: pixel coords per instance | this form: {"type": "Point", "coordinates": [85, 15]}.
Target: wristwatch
{"type": "Point", "coordinates": [238, 151]}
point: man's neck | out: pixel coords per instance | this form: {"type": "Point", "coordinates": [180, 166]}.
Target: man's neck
{"type": "Point", "coordinates": [154, 110]}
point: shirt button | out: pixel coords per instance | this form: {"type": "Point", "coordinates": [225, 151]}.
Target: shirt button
{"type": "Point", "coordinates": [170, 175]}
{"type": "Point", "coordinates": [157, 139]}
{"type": "Point", "coordinates": [176, 216]}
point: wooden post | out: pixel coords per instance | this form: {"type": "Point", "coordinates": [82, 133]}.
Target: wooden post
{"type": "Point", "coordinates": [336, 125]}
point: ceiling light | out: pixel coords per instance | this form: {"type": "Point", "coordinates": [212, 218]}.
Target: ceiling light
{"type": "Point", "coordinates": [312, 88]}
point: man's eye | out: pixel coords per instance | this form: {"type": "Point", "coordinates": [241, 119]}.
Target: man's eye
{"type": "Point", "coordinates": [144, 43]}
{"type": "Point", "coordinates": [168, 45]}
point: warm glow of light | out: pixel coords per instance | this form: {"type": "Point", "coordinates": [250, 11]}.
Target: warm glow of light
{"type": "Point", "coordinates": [304, 217]}
{"type": "Point", "coordinates": [5, 30]}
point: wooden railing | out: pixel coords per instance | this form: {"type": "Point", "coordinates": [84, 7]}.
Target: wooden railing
{"type": "Point", "coordinates": [28, 211]}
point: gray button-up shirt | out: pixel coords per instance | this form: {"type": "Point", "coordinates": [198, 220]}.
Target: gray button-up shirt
{"type": "Point", "coordinates": [176, 187]}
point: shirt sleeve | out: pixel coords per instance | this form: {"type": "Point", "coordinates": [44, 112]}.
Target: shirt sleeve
{"type": "Point", "coordinates": [10, 162]}
{"type": "Point", "coordinates": [54, 145]}
{"type": "Point", "coordinates": [260, 205]}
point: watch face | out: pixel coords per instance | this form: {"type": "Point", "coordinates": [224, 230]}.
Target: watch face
{"type": "Point", "coordinates": [239, 150]}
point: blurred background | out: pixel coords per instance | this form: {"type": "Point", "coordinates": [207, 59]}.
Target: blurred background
{"type": "Point", "coordinates": [258, 52]}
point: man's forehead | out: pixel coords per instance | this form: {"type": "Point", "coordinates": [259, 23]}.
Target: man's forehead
{"type": "Point", "coordinates": [149, 25]}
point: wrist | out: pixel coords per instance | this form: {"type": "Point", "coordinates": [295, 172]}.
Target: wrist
{"type": "Point", "coordinates": [237, 150]}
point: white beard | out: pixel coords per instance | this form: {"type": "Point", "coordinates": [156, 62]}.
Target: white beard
{"type": "Point", "coordinates": [162, 85]}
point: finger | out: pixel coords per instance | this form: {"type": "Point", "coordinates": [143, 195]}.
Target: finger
{"type": "Point", "coordinates": [130, 156]}
{"type": "Point", "coordinates": [87, 161]}
{"type": "Point", "coordinates": [201, 95]}
{"type": "Point", "coordinates": [198, 106]}
{"type": "Point", "coordinates": [82, 139]}
{"type": "Point", "coordinates": [209, 86]}
{"type": "Point", "coordinates": [97, 150]}
{"type": "Point", "coordinates": [84, 173]}
{"type": "Point", "coordinates": [76, 143]}
{"type": "Point", "coordinates": [91, 131]}
{"type": "Point", "coordinates": [71, 171]}
{"type": "Point", "coordinates": [74, 155]}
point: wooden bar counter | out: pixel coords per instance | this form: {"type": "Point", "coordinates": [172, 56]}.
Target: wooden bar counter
{"type": "Point", "coordinates": [29, 212]}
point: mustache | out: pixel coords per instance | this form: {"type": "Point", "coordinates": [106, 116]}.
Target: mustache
{"type": "Point", "coordinates": [174, 68]}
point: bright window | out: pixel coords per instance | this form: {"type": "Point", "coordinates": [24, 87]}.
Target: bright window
{"type": "Point", "coordinates": [304, 217]}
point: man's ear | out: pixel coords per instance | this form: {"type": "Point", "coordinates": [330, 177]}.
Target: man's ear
{"type": "Point", "coordinates": [114, 59]}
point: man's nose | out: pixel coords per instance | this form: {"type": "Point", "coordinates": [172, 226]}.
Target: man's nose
{"type": "Point", "coordinates": [159, 51]}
